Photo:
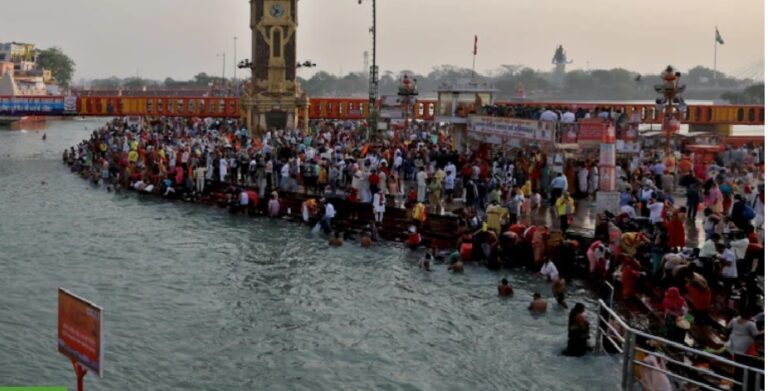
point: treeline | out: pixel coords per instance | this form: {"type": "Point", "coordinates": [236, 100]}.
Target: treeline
{"type": "Point", "coordinates": [597, 84]}
{"type": "Point", "coordinates": [201, 80]}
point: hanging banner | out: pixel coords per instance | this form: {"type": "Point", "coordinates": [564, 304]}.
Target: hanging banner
{"type": "Point", "coordinates": [80, 335]}
{"type": "Point", "coordinates": [591, 131]}
{"type": "Point", "coordinates": [70, 104]}
{"type": "Point", "coordinates": [31, 105]}
{"type": "Point", "coordinates": [512, 128]}
{"type": "Point", "coordinates": [627, 147]}
{"type": "Point", "coordinates": [630, 133]}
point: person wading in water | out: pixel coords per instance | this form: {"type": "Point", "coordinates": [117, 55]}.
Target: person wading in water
{"type": "Point", "coordinates": [578, 332]}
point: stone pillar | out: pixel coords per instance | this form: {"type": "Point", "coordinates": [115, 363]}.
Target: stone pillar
{"type": "Point", "coordinates": [607, 198]}
{"type": "Point", "coordinates": [291, 121]}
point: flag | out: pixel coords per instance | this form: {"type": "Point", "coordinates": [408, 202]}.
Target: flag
{"type": "Point", "coordinates": [475, 51]}
{"type": "Point", "coordinates": [718, 38]}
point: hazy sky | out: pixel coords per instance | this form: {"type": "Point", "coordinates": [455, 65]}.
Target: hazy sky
{"type": "Point", "coordinates": [179, 38]}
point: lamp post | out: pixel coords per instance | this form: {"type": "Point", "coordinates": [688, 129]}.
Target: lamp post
{"type": "Point", "coordinates": [223, 67]}
{"type": "Point", "coordinates": [373, 79]}
{"type": "Point", "coordinates": [670, 103]}
{"type": "Point", "coordinates": [407, 90]}
{"type": "Point", "coordinates": [234, 62]}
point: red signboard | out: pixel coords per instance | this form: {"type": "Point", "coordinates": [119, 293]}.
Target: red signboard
{"type": "Point", "coordinates": [596, 131]}
{"type": "Point", "coordinates": [80, 331]}
{"type": "Point", "coordinates": [591, 131]}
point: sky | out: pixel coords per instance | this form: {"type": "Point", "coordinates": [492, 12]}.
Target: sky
{"type": "Point", "coordinates": [180, 38]}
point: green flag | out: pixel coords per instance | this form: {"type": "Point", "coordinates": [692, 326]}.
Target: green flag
{"type": "Point", "coordinates": [718, 38]}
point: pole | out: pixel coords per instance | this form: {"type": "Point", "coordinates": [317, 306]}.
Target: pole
{"type": "Point", "coordinates": [80, 373]}
{"type": "Point", "coordinates": [234, 62]}
{"type": "Point", "coordinates": [373, 82]}
{"type": "Point", "coordinates": [474, 56]}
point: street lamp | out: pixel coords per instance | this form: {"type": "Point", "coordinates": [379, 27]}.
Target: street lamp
{"type": "Point", "coordinates": [373, 79]}
{"type": "Point", "coordinates": [234, 62]}
{"type": "Point", "coordinates": [306, 64]}
{"type": "Point", "coordinates": [407, 91]}
{"type": "Point", "coordinates": [672, 104]}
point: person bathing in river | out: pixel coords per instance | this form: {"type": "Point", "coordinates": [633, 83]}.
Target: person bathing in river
{"type": "Point", "coordinates": [335, 241]}
{"type": "Point", "coordinates": [366, 240]}
{"type": "Point", "coordinates": [504, 289]}
{"type": "Point", "coordinates": [538, 304]}
{"type": "Point", "coordinates": [457, 266]}
{"type": "Point", "coordinates": [558, 290]}
{"type": "Point", "coordinates": [578, 332]}
{"type": "Point", "coordinates": [426, 262]}
{"type": "Point", "coordinates": [273, 207]}
{"type": "Point", "coordinates": [549, 270]}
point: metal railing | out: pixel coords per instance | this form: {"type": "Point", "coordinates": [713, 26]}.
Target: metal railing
{"type": "Point", "coordinates": [615, 332]}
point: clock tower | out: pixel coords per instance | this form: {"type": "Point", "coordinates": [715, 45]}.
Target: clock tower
{"type": "Point", "coordinates": [272, 98]}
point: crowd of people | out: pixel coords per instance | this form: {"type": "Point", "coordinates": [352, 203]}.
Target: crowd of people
{"type": "Point", "coordinates": [502, 202]}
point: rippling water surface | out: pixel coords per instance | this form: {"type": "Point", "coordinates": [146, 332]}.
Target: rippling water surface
{"type": "Point", "coordinates": [197, 299]}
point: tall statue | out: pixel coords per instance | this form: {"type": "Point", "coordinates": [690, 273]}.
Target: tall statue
{"type": "Point", "coordinates": [560, 57]}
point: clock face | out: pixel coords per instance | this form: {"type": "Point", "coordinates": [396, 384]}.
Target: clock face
{"type": "Point", "coordinates": [276, 10]}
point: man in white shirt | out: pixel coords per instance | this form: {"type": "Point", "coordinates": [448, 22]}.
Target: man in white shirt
{"type": "Point", "coordinates": [284, 174]}
{"type": "Point", "coordinates": [656, 208]}
{"type": "Point", "coordinates": [330, 213]}
{"type": "Point", "coordinates": [548, 115]}
{"type": "Point", "coordinates": [568, 117]}
{"type": "Point", "coordinates": [450, 169]}
{"type": "Point", "coordinates": [739, 245]}
{"type": "Point", "coordinates": [558, 185]}
{"type": "Point", "coordinates": [709, 248]}
{"type": "Point", "coordinates": [421, 185]}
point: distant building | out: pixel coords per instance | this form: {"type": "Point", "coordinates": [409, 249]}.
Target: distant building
{"type": "Point", "coordinates": [19, 61]}
{"type": "Point", "coordinates": [6, 67]}
{"type": "Point", "coordinates": [21, 54]}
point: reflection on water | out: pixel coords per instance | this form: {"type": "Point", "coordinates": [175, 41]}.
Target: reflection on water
{"type": "Point", "coordinates": [197, 299]}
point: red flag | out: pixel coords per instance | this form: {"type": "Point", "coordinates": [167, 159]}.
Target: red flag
{"type": "Point", "coordinates": [475, 51]}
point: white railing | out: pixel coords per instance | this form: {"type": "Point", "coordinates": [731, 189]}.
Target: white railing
{"type": "Point", "coordinates": [623, 338]}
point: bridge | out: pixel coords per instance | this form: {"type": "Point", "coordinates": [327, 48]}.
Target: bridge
{"type": "Point", "coordinates": [333, 108]}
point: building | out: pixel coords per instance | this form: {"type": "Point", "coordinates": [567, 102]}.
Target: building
{"type": "Point", "coordinates": [23, 55]}
{"type": "Point", "coordinates": [456, 102]}
{"type": "Point", "coordinates": [271, 99]}
{"type": "Point", "coordinates": [19, 61]}
{"type": "Point", "coordinates": [6, 67]}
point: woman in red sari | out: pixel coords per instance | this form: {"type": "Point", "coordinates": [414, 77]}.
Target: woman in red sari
{"type": "Point", "coordinates": [676, 229]}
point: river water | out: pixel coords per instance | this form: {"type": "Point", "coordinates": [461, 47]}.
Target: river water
{"type": "Point", "coordinates": [197, 299]}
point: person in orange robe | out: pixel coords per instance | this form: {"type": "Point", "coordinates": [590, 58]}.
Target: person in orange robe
{"type": "Point", "coordinates": [676, 229]}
